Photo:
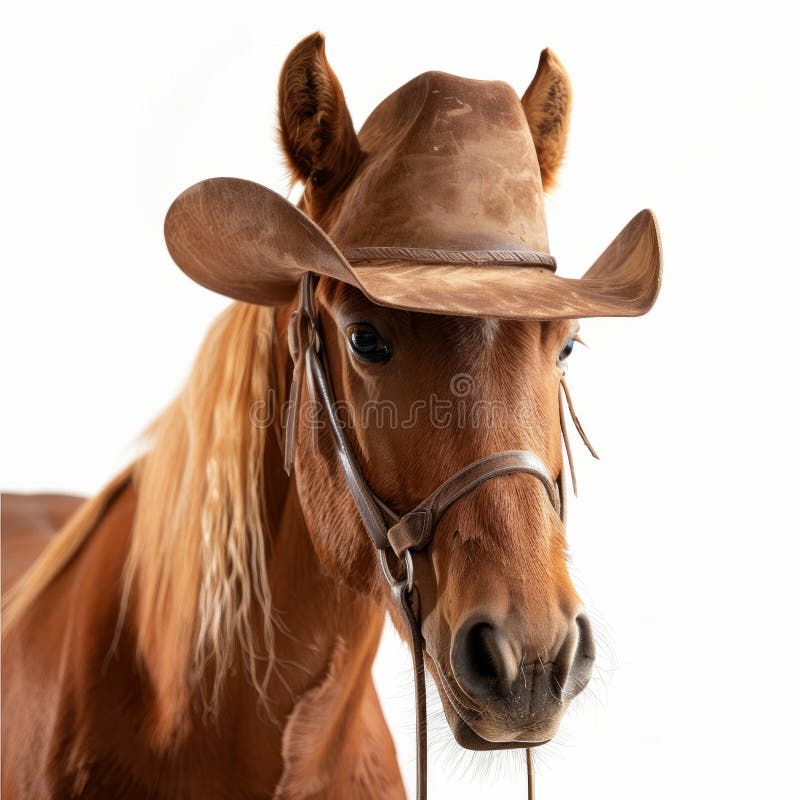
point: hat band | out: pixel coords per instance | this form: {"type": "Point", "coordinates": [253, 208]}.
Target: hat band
{"type": "Point", "coordinates": [499, 258]}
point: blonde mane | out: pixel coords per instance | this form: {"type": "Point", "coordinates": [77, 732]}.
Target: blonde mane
{"type": "Point", "coordinates": [197, 566]}
{"type": "Point", "coordinates": [196, 576]}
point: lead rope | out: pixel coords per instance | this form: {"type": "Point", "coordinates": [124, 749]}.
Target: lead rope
{"type": "Point", "coordinates": [531, 774]}
{"type": "Point", "coordinates": [405, 600]}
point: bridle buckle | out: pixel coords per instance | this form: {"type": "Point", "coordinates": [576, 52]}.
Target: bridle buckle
{"type": "Point", "coordinates": [302, 333]}
{"type": "Point", "coordinates": [405, 582]}
{"type": "Point", "coordinates": [412, 532]}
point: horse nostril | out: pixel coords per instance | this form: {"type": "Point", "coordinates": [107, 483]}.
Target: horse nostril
{"type": "Point", "coordinates": [583, 661]}
{"type": "Point", "coordinates": [572, 667]}
{"type": "Point", "coordinates": [483, 660]}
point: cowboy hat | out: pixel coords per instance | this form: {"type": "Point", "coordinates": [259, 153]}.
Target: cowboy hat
{"type": "Point", "coordinates": [443, 213]}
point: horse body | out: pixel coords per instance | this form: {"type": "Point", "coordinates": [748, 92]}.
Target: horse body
{"type": "Point", "coordinates": [72, 682]}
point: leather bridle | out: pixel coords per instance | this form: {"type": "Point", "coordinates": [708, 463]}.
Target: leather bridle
{"type": "Point", "coordinates": [396, 536]}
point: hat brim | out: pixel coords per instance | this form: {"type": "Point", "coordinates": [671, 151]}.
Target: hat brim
{"type": "Point", "coordinates": [245, 241]}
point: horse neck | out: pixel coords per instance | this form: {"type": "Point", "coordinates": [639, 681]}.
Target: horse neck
{"type": "Point", "coordinates": [321, 694]}
{"type": "Point", "coordinates": [325, 642]}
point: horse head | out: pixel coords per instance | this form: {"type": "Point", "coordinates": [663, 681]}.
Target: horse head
{"type": "Point", "coordinates": [441, 334]}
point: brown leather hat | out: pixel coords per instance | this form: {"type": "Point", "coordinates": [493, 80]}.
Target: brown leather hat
{"type": "Point", "coordinates": [444, 214]}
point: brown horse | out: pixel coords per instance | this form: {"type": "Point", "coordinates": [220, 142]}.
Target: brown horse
{"type": "Point", "coordinates": [206, 625]}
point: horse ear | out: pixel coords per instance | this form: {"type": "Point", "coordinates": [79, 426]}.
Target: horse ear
{"type": "Point", "coordinates": [548, 105]}
{"type": "Point", "coordinates": [318, 136]}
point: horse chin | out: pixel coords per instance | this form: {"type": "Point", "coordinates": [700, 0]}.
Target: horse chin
{"type": "Point", "coordinates": [467, 737]}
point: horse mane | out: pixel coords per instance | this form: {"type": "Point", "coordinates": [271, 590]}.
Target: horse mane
{"type": "Point", "coordinates": [197, 565]}
{"type": "Point", "coordinates": [196, 576]}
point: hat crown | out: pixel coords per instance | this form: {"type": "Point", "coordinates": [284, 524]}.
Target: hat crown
{"type": "Point", "coordinates": [450, 163]}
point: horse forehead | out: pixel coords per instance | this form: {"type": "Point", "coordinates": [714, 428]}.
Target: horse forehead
{"type": "Point", "coordinates": [484, 333]}
{"type": "Point", "coordinates": [474, 338]}
{"type": "Point", "coordinates": [491, 351]}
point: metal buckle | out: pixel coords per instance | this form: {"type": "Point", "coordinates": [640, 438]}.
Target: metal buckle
{"type": "Point", "coordinates": [396, 583]}
{"type": "Point", "coordinates": [411, 530]}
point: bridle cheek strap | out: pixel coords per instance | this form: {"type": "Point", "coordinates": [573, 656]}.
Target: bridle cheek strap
{"type": "Point", "coordinates": [303, 338]}
{"type": "Point", "coordinates": [412, 531]}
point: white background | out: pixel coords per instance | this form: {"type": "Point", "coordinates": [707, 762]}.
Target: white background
{"type": "Point", "coordinates": [685, 537]}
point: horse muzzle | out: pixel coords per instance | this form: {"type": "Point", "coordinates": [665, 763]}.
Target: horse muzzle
{"type": "Point", "coordinates": [496, 696]}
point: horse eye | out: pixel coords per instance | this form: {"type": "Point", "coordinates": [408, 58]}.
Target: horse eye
{"type": "Point", "coordinates": [564, 354]}
{"type": "Point", "coordinates": [367, 343]}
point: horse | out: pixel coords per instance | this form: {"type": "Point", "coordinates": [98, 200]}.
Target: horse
{"type": "Point", "coordinates": [205, 626]}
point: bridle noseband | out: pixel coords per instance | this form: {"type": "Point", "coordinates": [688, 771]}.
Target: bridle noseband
{"type": "Point", "coordinates": [388, 531]}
